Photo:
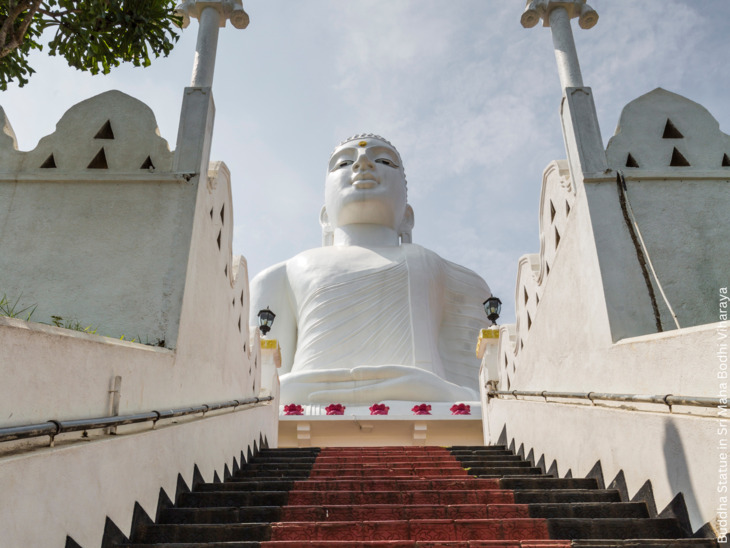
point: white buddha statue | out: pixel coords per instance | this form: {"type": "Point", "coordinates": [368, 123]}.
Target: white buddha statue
{"type": "Point", "coordinates": [370, 316]}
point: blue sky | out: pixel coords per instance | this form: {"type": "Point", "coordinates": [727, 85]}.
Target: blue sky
{"type": "Point", "coordinates": [468, 96]}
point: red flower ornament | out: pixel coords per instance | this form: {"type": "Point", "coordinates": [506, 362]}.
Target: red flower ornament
{"type": "Point", "coordinates": [422, 409]}
{"type": "Point", "coordinates": [293, 409]}
{"type": "Point", "coordinates": [379, 409]}
{"type": "Point", "coordinates": [335, 409]}
{"type": "Point", "coordinates": [461, 409]}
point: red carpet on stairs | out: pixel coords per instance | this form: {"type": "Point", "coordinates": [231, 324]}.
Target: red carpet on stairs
{"type": "Point", "coordinates": [401, 497]}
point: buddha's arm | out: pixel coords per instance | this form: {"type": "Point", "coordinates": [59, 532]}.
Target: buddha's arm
{"type": "Point", "coordinates": [270, 288]}
{"type": "Point", "coordinates": [463, 317]}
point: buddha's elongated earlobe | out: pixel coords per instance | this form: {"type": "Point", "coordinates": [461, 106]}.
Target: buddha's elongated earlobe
{"type": "Point", "coordinates": [328, 233]}
{"type": "Point", "coordinates": [406, 226]}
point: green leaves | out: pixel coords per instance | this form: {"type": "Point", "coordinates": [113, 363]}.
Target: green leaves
{"type": "Point", "coordinates": [92, 35]}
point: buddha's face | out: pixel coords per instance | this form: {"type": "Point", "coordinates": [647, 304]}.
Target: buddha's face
{"type": "Point", "coordinates": [365, 184]}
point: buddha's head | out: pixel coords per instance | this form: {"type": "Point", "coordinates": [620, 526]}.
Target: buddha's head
{"type": "Point", "coordinates": [366, 184]}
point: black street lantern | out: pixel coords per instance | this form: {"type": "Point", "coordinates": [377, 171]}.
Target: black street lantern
{"type": "Point", "coordinates": [266, 319]}
{"type": "Point", "coordinates": [492, 306]}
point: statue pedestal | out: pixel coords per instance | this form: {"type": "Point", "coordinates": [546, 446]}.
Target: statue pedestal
{"type": "Point", "coordinates": [358, 428]}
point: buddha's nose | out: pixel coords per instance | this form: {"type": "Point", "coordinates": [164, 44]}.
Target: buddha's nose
{"type": "Point", "coordinates": [363, 162]}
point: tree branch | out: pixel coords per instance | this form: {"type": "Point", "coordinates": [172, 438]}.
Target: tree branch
{"type": "Point", "coordinates": [8, 46]}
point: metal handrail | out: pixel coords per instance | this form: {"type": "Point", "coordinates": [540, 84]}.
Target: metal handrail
{"type": "Point", "coordinates": [669, 399]}
{"type": "Point", "coordinates": [53, 428]}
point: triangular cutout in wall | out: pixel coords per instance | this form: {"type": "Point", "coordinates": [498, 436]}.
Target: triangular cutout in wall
{"type": "Point", "coordinates": [671, 132]}
{"type": "Point", "coordinates": [105, 132]}
{"type": "Point", "coordinates": [630, 162]}
{"type": "Point", "coordinates": [678, 160]}
{"type": "Point", "coordinates": [99, 161]}
{"type": "Point", "coordinates": [49, 163]}
{"type": "Point", "coordinates": [147, 164]}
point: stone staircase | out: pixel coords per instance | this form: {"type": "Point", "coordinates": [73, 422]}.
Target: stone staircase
{"type": "Point", "coordinates": [404, 497]}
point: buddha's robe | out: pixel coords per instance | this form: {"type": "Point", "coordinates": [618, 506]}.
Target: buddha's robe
{"type": "Point", "coordinates": [394, 322]}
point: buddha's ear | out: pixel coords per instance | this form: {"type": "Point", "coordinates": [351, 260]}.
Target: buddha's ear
{"type": "Point", "coordinates": [328, 233]}
{"type": "Point", "coordinates": [406, 226]}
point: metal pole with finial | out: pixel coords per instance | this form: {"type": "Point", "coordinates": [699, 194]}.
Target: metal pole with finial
{"type": "Point", "coordinates": [557, 16]}
{"type": "Point", "coordinates": [582, 135]}
{"type": "Point", "coordinates": [192, 152]}
{"type": "Point", "coordinates": [211, 14]}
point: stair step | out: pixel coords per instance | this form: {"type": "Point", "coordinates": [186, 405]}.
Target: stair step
{"type": "Point", "coordinates": [558, 496]}
{"type": "Point", "coordinates": [589, 510]}
{"type": "Point", "coordinates": [647, 543]}
{"type": "Point", "coordinates": [234, 544]}
{"type": "Point", "coordinates": [203, 532]}
{"type": "Point", "coordinates": [611, 528]}
{"type": "Point", "coordinates": [309, 498]}
{"type": "Point", "coordinates": [418, 530]}
{"type": "Point", "coordinates": [244, 484]}
{"type": "Point", "coordinates": [548, 483]}
{"type": "Point", "coordinates": [496, 472]}
{"type": "Point", "coordinates": [416, 544]}
{"type": "Point", "coordinates": [231, 514]}
{"type": "Point", "coordinates": [232, 498]}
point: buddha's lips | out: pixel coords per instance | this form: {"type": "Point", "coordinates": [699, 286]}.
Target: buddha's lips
{"type": "Point", "coordinates": [365, 181]}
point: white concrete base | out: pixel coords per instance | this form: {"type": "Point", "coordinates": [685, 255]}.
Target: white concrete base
{"type": "Point", "coordinates": [357, 428]}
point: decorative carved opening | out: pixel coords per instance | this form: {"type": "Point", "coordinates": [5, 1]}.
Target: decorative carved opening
{"type": "Point", "coordinates": [527, 297]}
{"type": "Point", "coordinates": [218, 239]}
{"type": "Point", "coordinates": [522, 345]}
{"type": "Point", "coordinates": [552, 212]}
{"type": "Point", "coordinates": [244, 349]}
{"type": "Point", "coordinates": [671, 132]}
{"type": "Point", "coordinates": [49, 163]}
{"type": "Point", "coordinates": [505, 361]}
{"type": "Point", "coordinates": [223, 216]}
{"type": "Point", "coordinates": [547, 269]}
{"type": "Point", "coordinates": [678, 160]}
{"type": "Point", "coordinates": [725, 161]}
{"type": "Point", "coordinates": [241, 298]}
{"type": "Point", "coordinates": [105, 132]}
{"type": "Point", "coordinates": [557, 238]}
{"type": "Point", "coordinates": [147, 164]}
{"type": "Point", "coordinates": [233, 302]}
{"type": "Point", "coordinates": [211, 213]}
{"type": "Point", "coordinates": [507, 383]}
{"type": "Point", "coordinates": [239, 324]}
{"type": "Point", "coordinates": [529, 321]}
{"type": "Point", "coordinates": [99, 161]}
{"type": "Point", "coordinates": [537, 300]}
{"type": "Point", "coordinates": [567, 209]}
{"type": "Point", "coordinates": [631, 162]}
{"type": "Point", "coordinates": [225, 271]}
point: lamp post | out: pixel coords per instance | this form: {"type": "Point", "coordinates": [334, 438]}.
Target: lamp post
{"type": "Point", "coordinates": [492, 307]}
{"type": "Point", "coordinates": [266, 319]}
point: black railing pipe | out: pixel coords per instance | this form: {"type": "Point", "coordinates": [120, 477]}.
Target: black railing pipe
{"type": "Point", "coordinates": [54, 427]}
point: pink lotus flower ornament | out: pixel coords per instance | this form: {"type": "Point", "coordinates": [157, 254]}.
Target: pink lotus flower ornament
{"type": "Point", "coordinates": [335, 409]}
{"type": "Point", "coordinates": [379, 409]}
{"type": "Point", "coordinates": [422, 409]}
{"type": "Point", "coordinates": [293, 409]}
{"type": "Point", "coordinates": [461, 409]}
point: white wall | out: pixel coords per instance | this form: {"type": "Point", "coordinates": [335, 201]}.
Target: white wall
{"type": "Point", "coordinates": [594, 327]}
{"type": "Point", "coordinates": [71, 489]}
{"type": "Point", "coordinates": [141, 252]}
{"type": "Point", "coordinates": [105, 247]}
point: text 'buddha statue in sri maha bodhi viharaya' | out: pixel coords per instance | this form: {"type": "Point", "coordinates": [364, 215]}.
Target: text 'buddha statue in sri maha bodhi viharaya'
{"type": "Point", "coordinates": [370, 316]}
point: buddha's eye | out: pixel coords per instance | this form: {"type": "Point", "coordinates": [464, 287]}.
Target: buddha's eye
{"type": "Point", "coordinates": [385, 161]}
{"type": "Point", "coordinates": [343, 163]}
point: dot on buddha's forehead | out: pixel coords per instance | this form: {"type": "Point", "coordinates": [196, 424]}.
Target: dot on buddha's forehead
{"type": "Point", "coordinates": [363, 143]}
